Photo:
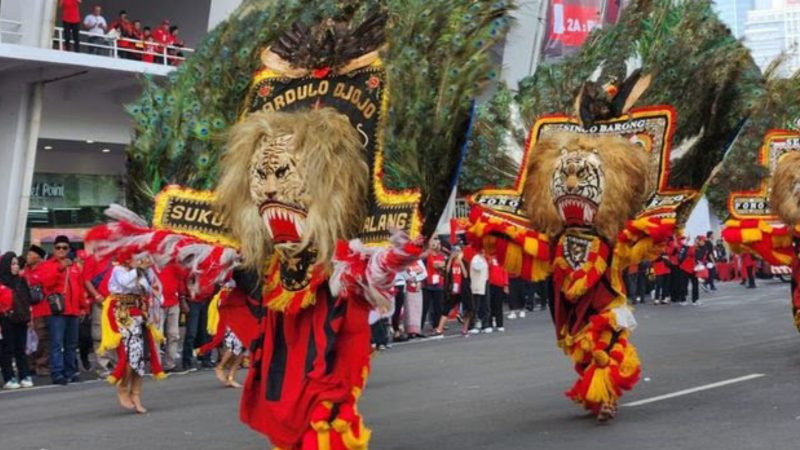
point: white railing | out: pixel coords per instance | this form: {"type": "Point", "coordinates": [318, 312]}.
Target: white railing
{"type": "Point", "coordinates": [104, 45]}
{"type": "Point", "coordinates": [462, 208]}
{"type": "Point", "coordinates": [10, 31]}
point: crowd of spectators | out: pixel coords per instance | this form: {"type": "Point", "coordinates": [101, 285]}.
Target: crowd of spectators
{"type": "Point", "coordinates": [51, 306]}
{"type": "Point", "coordinates": [51, 316]}
{"type": "Point", "coordinates": [133, 40]}
{"type": "Point", "coordinates": [686, 268]}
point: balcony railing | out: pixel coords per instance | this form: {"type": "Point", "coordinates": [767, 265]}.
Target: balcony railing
{"type": "Point", "coordinates": [10, 31]}
{"type": "Point", "coordinates": [104, 45]}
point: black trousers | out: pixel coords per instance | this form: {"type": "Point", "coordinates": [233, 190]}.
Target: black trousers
{"type": "Point", "coordinates": [692, 278]}
{"type": "Point", "coordinates": [662, 287]}
{"type": "Point", "coordinates": [712, 274]}
{"type": "Point", "coordinates": [85, 342]}
{"type": "Point", "coordinates": [72, 38]}
{"type": "Point", "coordinates": [482, 304]}
{"type": "Point", "coordinates": [196, 333]}
{"type": "Point", "coordinates": [15, 337]}
{"type": "Point", "coordinates": [496, 299]}
{"type": "Point", "coordinates": [399, 300]}
{"type": "Point", "coordinates": [380, 332]}
{"type": "Point", "coordinates": [432, 306]}
{"type": "Point", "coordinates": [517, 292]}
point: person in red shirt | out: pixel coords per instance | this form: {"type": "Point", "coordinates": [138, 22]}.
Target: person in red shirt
{"type": "Point", "coordinates": [71, 22]}
{"type": "Point", "coordinates": [687, 260]}
{"type": "Point", "coordinates": [196, 309]}
{"type": "Point", "coordinates": [63, 289]}
{"type": "Point", "coordinates": [177, 43]}
{"type": "Point", "coordinates": [457, 293]}
{"type": "Point", "coordinates": [163, 38]}
{"type": "Point", "coordinates": [125, 27]}
{"type": "Point", "coordinates": [34, 261]}
{"type": "Point", "coordinates": [662, 272]}
{"type": "Point", "coordinates": [96, 275]}
{"type": "Point", "coordinates": [748, 270]}
{"type": "Point", "coordinates": [498, 291]}
{"type": "Point", "coordinates": [433, 289]}
{"type": "Point", "coordinates": [137, 34]}
{"type": "Point", "coordinates": [173, 285]}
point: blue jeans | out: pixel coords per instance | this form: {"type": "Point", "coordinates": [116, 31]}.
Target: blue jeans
{"type": "Point", "coordinates": [63, 332]}
{"type": "Point", "coordinates": [196, 332]}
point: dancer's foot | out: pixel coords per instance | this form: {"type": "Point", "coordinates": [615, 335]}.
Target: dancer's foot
{"type": "Point", "coordinates": [125, 399]}
{"type": "Point", "coordinates": [220, 375]}
{"type": "Point", "coordinates": [607, 413]}
{"type": "Point", "coordinates": [137, 404]}
{"type": "Point", "coordinates": [232, 383]}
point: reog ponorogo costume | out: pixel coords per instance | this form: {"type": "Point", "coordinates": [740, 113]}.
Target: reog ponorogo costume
{"type": "Point", "coordinates": [766, 220]}
{"type": "Point", "coordinates": [602, 188]}
{"type": "Point", "coordinates": [340, 137]}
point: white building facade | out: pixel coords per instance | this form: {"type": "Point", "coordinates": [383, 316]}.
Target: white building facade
{"type": "Point", "coordinates": [773, 29]}
{"type": "Point", "coordinates": [63, 128]}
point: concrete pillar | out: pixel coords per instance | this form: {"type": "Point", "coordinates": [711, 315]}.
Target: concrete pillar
{"type": "Point", "coordinates": [220, 10]}
{"type": "Point", "coordinates": [524, 41]}
{"type": "Point", "coordinates": [20, 115]}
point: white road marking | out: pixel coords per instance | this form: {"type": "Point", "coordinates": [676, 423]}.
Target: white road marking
{"type": "Point", "coordinates": [695, 389]}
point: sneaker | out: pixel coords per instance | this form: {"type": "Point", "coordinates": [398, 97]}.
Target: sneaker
{"type": "Point", "coordinates": [512, 316]}
{"type": "Point", "coordinates": [682, 303]}
{"type": "Point", "coordinates": [474, 331]}
{"type": "Point", "coordinates": [11, 385]}
{"type": "Point", "coordinates": [61, 381]}
{"type": "Point", "coordinates": [522, 314]}
{"type": "Point", "coordinates": [697, 303]}
{"type": "Point", "coordinates": [501, 329]}
{"type": "Point", "coordinates": [75, 379]}
{"type": "Point", "coordinates": [26, 382]}
{"type": "Point", "coordinates": [656, 302]}
{"type": "Point", "coordinates": [487, 330]}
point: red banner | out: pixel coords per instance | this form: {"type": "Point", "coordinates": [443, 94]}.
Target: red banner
{"type": "Point", "coordinates": [569, 23]}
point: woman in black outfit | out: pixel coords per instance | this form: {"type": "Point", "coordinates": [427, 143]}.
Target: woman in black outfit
{"type": "Point", "coordinates": [15, 325]}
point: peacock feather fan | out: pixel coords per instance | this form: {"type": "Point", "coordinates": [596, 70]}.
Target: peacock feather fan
{"type": "Point", "coordinates": [778, 108]}
{"type": "Point", "coordinates": [489, 160]}
{"type": "Point", "coordinates": [437, 59]}
{"type": "Point", "coordinates": [697, 66]}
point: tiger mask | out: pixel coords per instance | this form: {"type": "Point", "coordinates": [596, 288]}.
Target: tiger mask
{"type": "Point", "coordinates": [579, 180]}
{"type": "Point", "coordinates": [785, 188]}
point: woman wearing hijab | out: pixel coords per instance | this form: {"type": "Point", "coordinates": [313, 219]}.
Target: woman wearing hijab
{"type": "Point", "coordinates": [14, 323]}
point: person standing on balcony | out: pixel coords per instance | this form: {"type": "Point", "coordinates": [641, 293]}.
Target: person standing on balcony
{"type": "Point", "coordinates": [163, 38]}
{"type": "Point", "coordinates": [97, 27]}
{"type": "Point", "coordinates": [125, 27]}
{"type": "Point", "coordinates": [137, 34]}
{"type": "Point", "coordinates": [71, 22]}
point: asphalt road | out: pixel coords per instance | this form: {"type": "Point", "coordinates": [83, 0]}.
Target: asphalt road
{"type": "Point", "coordinates": [499, 391]}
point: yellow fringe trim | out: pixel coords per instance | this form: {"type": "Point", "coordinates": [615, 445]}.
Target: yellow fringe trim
{"type": "Point", "coordinates": [160, 376]}
{"type": "Point", "coordinates": [213, 314]}
{"type": "Point", "coordinates": [112, 380]}
{"type": "Point", "coordinates": [110, 339]}
{"type": "Point", "coordinates": [601, 389]}
{"type": "Point", "coordinates": [155, 333]}
{"type": "Point", "coordinates": [349, 440]}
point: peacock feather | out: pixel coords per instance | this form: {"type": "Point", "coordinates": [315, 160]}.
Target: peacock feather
{"type": "Point", "coordinates": [778, 108]}
{"type": "Point", "coordinates": [698, 67]}
{"type": "Point", "coordinates": [437, 60]}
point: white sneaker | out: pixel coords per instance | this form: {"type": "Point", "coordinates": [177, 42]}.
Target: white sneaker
{"type": "Point", "coordinates": [697, 303]}
{"type": "Point", "coordinates": [474, 331]}
{"type": "Point", "coordinates": [501, 329]}
{"type": "Point", "coordinates": [26, 382]}
{"type": "Point", "coordinates": [12, 384]}
{"type": "Point", "coordinates": [487, 330]}
{"type": "Point", "coordinates": [522, 314]}
{"type": "Point", "coordinates": [512, 316]}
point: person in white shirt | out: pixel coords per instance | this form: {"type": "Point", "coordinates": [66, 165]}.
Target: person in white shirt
{"type": "Point", "coordinates": [479, 277]}
{"type": "Point", "coordinates": [126, 327]}
{"type": "Point", "coordinates": [96, 25]}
